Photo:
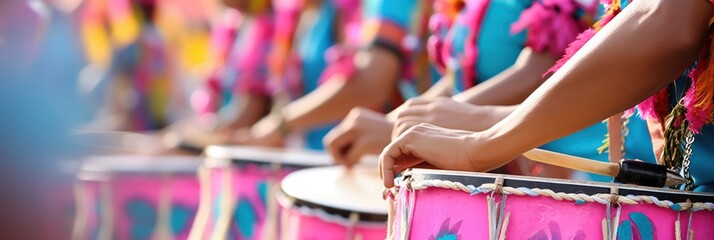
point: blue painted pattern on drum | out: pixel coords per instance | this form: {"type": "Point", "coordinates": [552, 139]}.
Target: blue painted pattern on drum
{"type": "Point", "coordinates": [143, 217]}
{"type": "Point", "coordinates": [181, 217]}
{"type": "Point", "coordinates": [639, 226]}
{"type": "Point", "coordinates": [447, 232]}
{"type": "Point", "coordinates": [262, 189]}
{"type": "Point", "coordinates": [245, 218]}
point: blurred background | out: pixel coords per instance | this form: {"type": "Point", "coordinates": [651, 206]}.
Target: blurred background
{"type": "Point", "coordinates": [85, 65]}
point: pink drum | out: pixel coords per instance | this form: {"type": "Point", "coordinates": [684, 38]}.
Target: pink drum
{"type": "Point", "coordinates": [433, 204]}
{"type": "Point", "coordinates": [62, 201]}
{"type": "Point", "coordinates": [238, 190]}
{"type": "Point", "coordinates": [136, 197]}
{"type": "Point", "coordinates": [333, 203]}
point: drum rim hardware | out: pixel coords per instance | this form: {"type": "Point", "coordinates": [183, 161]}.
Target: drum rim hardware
{"type": "Point", "coordinates": [582, 191]}
{"type": "Point", "coordinates": [343, 214]}
{"type": "Point", "coordinates": [222, 155]}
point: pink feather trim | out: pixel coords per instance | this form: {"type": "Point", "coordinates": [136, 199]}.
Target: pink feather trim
{"type": "Point", "coordinates": [699, 97]}
{"type": "Point", "coordinates": [572, 48]}
{"type": "Point", "coordinates": [551, 25]}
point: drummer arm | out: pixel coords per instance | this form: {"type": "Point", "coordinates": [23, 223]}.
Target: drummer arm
{"type": "Point", "coordinates": [640, 52]}
{"type": "Point", "coordinates": [371, 86]}
{"type": "Point", "coordinates": [514, 84]}
{"type": "Point", "coordinates": [442, 88]}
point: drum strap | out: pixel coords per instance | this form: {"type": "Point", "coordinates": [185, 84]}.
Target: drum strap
{"type": "Point", "coordinates": [206, 204]}
{"type": "Point", "coordinates": [163, 226]}
{"type": "Point", "coordinates": [270, 229]}
{"type": "Point", "coordinates": [81, 196]}
{"type": "Point", "coordinates": [351, 223]}
{"type": "Point", "coordinates": [106, 231]}
{"type": "Point", "coordinates": [498, 221]}
{"type": "Point", "coordinates": [407, 207]}
{"type": "Point", "coordinates": [227, 202]}
{"type": "Point", "coordinates": [678, 226]}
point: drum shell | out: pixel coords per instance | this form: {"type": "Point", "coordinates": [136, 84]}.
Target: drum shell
{"type": "Point", "coordinates": [243, 199]}
{"type": "Point", "coordinates": [442, 213]}
{"type": "Point", "coordinates": [308, 223]}
{"type": "Point", "coordinates": [333, 203]}
{"type": "Point", "coordinates": [242, 183]}
{"type": "Point", "coordinates": [136, 205]}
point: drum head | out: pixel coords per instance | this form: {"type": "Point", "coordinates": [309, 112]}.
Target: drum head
{"type": "Point", "coordinates": [223, 155]}
{"type": "Point", "coordinates": [140, 164]}
{"type": "Point", "coordinates": [355, 190]}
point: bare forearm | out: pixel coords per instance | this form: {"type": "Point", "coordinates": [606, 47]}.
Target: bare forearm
{"type": "Point", "coordinates": [442, 88]}
{"type": "Point", "coordinates": [514, 84]}
{"type": "Point", "coordinates": [641, 51]}
{"type": "Point", "coordinates": [371, 87]}
{"type": "Point", "coordinates": [252, 108]}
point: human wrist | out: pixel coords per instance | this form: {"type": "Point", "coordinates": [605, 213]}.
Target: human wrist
{"type": "Point", "coordinates": [488, 149]}
{"type": "Point", "coordinates": [283, 127]}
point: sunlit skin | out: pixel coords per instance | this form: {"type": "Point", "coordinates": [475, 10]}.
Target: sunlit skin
{"type": "Point", "coordinates": [645, 48]}
{"type": "Point", "coordinates": [254, 105]}
{"type": "Point", "coordinates": [376, 77]}
{"type": "Point", "coordinates": [476, 109]}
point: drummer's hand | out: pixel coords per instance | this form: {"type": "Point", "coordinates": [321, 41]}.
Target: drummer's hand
{"type": "Point", "coordinates": [266, 132]}
{"type": "Point", "coordinates": [443, 148]}
{"type": "Point", "coordinates": [445, 112]}
{"type": "Point", "coordinates": [362, 132]}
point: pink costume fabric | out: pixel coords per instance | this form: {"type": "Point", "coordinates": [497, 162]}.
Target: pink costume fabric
{"type": "Point", "coordinates": [242, 44]}
{"type": "Point", "coordinates": [550, 25]}
{"type": "Point", "coordinates": [339, 57]}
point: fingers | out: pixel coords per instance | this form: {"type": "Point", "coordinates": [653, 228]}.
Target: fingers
{"type": "Point", "coordinates": [409, 103]}
{"type": "Point", "coordinates": [355, 153]}
{"type": "Point", "coordinates": [399, 155]}
{"type": "Point", "coordinates": [417, 101]}
{"type": "Point", "coordinates": [414, 110]}
{"type": "Point", "coordinates": [338, 141]}
{"type": "Point", "coordinates": [242, 136]}
{"type": "Point", "coordinates": [404, 124]}
{"type": "Point", "coordinates": [386, 164]}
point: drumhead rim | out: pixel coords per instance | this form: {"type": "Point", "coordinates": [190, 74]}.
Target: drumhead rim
{"type": "Point", "coordinates": [364, 217]}
{"type": "Point", "coordinates": [223, 155]}
{"type": "Point", "coordinates": [320, 203]}
{"type": "Point", "coordinates": [559, 185]}
{"type": "Point", "coordinates": [140, 164]}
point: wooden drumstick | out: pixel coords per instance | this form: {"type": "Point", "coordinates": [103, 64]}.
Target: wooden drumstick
{"type": "Point", "coordinates": [634, 172]}
{"type": "Point", "coordinates": [573, 162]}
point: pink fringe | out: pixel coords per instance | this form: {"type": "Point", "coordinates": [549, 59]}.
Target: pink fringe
{"type": "Point", "coordinates": [698, 114]}
{"type": "Point", "coordinates": [655, 107]}
{"type": "Point", "coordinates": [574, 47]}
{"type": "Point", "coordinates": [551, 26]}
{"type": "Point", "coordinates": [647, 108]}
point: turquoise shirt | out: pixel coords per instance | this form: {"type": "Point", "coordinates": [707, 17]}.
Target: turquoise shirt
{"type": "Point", "coordinates": [585, 143]}
{"type": "Point", "coordinates": [311, 50]}
{"type": "Point", "coordinates": [499, 48]}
